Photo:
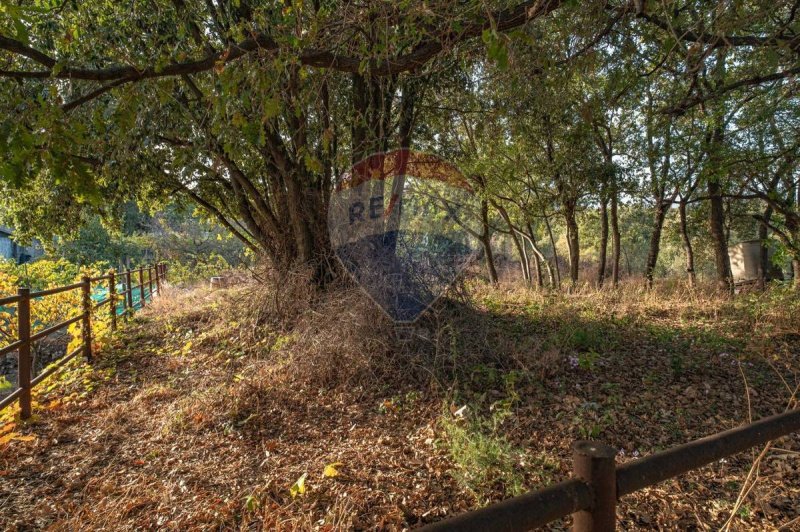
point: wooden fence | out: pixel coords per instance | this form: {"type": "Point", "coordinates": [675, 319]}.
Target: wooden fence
{"type": "Point", "coordinates": [591, 496]}
{"type": "Point", "coordinates": [156, 275]}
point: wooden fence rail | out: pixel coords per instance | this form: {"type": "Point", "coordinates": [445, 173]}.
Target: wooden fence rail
{"type": "Point", "coordinates": [25, 339]}
{"type": "Point", "coordinates": [591, 496]}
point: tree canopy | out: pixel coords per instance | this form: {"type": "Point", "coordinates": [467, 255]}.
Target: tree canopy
{"type": "Point", "coordinates": [559, 110]}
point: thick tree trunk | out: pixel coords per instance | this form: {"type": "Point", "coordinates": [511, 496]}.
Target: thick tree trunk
{"type": "Point", "coordinates": [659, 215]}
{"type": "Point", "coordinates": [601, 259]}
{"type": "Point", "coordinates": [717, 208]}
{"type": "Point", "coordinates": [573, 242]}
{"type": "Point", "coordinates": [687, 244]}
{"type": "Point", "coordinates": [717, 228]}
{"type": "Point", "coordinates": [615, 238]}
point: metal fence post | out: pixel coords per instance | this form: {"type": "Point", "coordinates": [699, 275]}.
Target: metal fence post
{"type": "Point", "coordinates": [112, 297]}
{"type": "Point", "coordinates": [141, 286]}
{"type": "Point", "coordinates": [129, 294]}
{"type": "Point", "coordinates": [24, 362]}
{"type": "Point", "coordinates": [86, 328]}
{"type": "Point", "coordinates": [593, 463]}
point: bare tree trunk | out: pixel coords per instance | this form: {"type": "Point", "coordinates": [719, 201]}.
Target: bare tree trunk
{"type": "Point", "coordinates": [486, 241]}
{"type": "Point", "coordinates": [525, 263]}
{"type": "Point", "coordinates": [687, 244]}
{"type": "Point", "coordinates": [540, 259]}
{"type": "Point", "coordinates": [601, 260]}
{"type": "Point", "coordinates": [615, 238]}
{"type": "Point", "coordinates": [572, 241]}
{"type": "Point", "coordinates": [537, 264]}
{"type": "Point", "coordinates": [520, 245]}
{"type": "Point", "coordinates": [717, 211]}
{"type": "Point", "coordinates": [655, 241]}
{"type": "Point", "coordinates": [523, 257]}
{"type": "Point", "coordinates": [717, 229]}
{"type": "Point", "coordinates": [555, 251]}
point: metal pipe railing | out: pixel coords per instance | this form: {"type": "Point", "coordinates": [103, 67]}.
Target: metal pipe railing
{"type": "Point", "coordinates": [591, 497]}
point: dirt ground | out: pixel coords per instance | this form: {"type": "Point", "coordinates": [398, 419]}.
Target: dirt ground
{"type": "Point", "coordinates": [203, 413]}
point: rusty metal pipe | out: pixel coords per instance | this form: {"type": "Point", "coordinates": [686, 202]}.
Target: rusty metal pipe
{"type": "Point", "coordinates": [522, 513]}
{"type": "Point", "coordinates": [661, 466]}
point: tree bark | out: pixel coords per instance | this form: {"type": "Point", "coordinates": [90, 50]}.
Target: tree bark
{"type": "Point", "coordinates": [555, 251]}
{"type": "Point", "coordinates": [717, 210]}
{"type": "Point", "coordinates": [601, 260]}
{"type": "Point", "coordinates": [523, 257]}
{"type": "Point", "coordinates": [486, 241]}
{"type": "Point", "coordinates": [615, 238]}
{"type": "Point", "coordinates": [540, 259]}
{"type": "Point", "coordinates": [537, 264]}
{"type": "Point", "coordinates": [518, 244]}
{"type": "Point", "coordinates": [687, 243]}
{"type": "Point", "coordinates": [573, 242]}
{"type": "Point", "coordinates": [655, 242]}
{"type": "Point", "coordinates": [716, 222]}
{"type": "Point", "coordinates": [796, 273]}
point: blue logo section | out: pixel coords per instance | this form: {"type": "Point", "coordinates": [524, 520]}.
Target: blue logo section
{"type": "Point", "coordinates": [398, 223]}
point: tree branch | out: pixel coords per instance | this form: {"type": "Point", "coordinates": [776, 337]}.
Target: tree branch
{"type": "Point", "coordinates": [503, 20]}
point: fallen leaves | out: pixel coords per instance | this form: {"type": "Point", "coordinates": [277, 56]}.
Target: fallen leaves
{"type": "Point", "coordinates": [16, 436]}
{"type": "Point", "coordinates": [299, 487]}
{"type": "Point", "coordinates": [331, 470]}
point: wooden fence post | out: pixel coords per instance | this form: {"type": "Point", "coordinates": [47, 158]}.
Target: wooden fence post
{"type": "Point", "coordinates": [150, 281]}
{"type": "Point", "coordinates": [24, 362]}
{"type": "Point", "coordinates": [593, 463]}
{"type": "Point", "coordinates": [86, 327]}
{"type": "Point", "coordinates": [129, 294]}
{"type": "Point", "coordinates": [112, 297]}
{"type": "Point", "coordinates": [141, 286]}
{"type": "Point", "coordinates": [158, 279]}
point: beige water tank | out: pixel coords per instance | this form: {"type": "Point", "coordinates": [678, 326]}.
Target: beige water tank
{"type": "Point", "coordinates": [746, 259]}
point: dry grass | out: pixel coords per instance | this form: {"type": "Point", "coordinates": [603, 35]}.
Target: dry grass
{"type": "Point", "coordinates": [221, 400]}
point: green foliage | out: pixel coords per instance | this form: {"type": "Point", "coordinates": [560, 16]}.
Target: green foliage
{"type": "Point", "coordinates": [252, 112]}
{"type": "Point", "coordinates": [199, 270]}
{"type": "Point", "coordinates": [486, 463]}
{"type": "Point", "coordinates": [43, 273]}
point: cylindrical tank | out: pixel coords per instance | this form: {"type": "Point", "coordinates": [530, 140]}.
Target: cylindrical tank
{"type": "Point", "coordinates": [746, 262]}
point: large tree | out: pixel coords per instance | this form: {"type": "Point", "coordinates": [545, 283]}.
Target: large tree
{"type": "Point", "coordinates": [250, 109]}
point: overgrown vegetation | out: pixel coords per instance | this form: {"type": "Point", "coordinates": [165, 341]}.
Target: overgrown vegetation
{"type": "Point", "coordinates": [287, 383]}
{"type": "Point", "coordinates": [601, 137]}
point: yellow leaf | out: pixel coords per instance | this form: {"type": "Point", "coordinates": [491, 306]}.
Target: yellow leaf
{"type": "Point", "coordinates": [8, 437]}
{"type": "Point", "coordinates": [299, 487]}
{"type": "Point", "coordinates": [331, 471]}
{"type": "Point", "coordinates": [30, 437]}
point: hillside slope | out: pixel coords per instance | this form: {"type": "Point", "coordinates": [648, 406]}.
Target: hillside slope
{"type": "Point", "coordinates": [210, 406]}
